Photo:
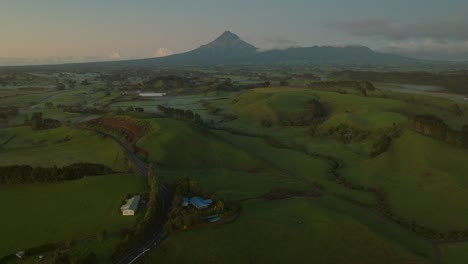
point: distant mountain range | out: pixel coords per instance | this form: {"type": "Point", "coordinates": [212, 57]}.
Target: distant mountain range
{"type": "Point", "coordinates": [230, 49]}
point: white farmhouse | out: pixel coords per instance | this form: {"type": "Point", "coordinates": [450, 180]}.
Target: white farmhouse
{"type": "Point", "coordinates": [131, 206]}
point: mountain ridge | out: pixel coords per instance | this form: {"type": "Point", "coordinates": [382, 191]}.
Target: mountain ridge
{"type": "Point", "coordinates": [229, 48]}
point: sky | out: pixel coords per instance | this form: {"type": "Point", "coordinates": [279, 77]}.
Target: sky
{"type": "Point", "coordinates": [57, 31]}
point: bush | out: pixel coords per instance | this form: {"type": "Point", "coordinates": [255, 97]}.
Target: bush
{"type": "Point", "coordinates": [266, 122]}
{"type": "Point", "coordinates": [26, 174]}
{"type": "Point", "coordinates": [313, 113]}
{"type": "Point", "coordinates": [347, 134]}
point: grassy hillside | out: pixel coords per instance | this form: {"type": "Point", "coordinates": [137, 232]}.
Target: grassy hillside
{"type": "Point", "coordinates": [425, 175]}
{"type": "Point", "coordinates": [184, 145]}
{"type": "Point", "coordinates": [293, 230]}
{"type": "Point", "coordinates": [420, 175]}
{"type": "Point", "coordinates": [364, 112]}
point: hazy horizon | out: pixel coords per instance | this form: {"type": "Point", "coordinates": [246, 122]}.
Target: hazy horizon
{"type": "Point", "coordinates": [41, 32]}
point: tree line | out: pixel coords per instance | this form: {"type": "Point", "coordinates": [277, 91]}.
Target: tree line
{"type": "Point", "coordinates": [6, 111]}
{"type": "Point", "coordinates": [215, 110]}
{"type": "Point", "coordinates": [37, 122]}
{"type": "Point", "coordinates": [144, 227]}
{"type": "Point", "coordinates": [183, 218]}
{"type": "Point", "coordinates": [385, 139]}
{"type": "Point", "coordinates": [313, 114]}
{"type": "Point", "coordinates": [361, 86]}
{"type": "Point", "coordinates": [454, 81]}
{"type": "Point", "coordinates": [435, 127]}
{"type": "Point", "coordinates": [181, 114]}
{"type": "Point", "coordinates": [19, 174]}
{"type": "Point", "coordinates": [154, 202]}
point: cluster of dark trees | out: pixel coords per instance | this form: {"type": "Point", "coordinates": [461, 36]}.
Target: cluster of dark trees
{"type": "Point", "coordinates": [154, 203]}
{"type": "Point", "coordinates": [385, 139]}
{"type": "Point", "coordinates": [313, 113]}
{"type": "Point", "coordinates": [435, 127]}
{"type": "Point", "coordinates": [48, 104]}
{"type": "Point", "coordinates": [346, 133]}
{"type": "Point", "coordinates": [134, 109]}
{"type": "Point", "coordinates": [60, 86]}
{"type": "Point", "coordinates": [144, 227]}
{"type": "Point", "coordinates": [78, 108]}
{"type": "Point", "coordinates": [181, 114]}
{"type": "Point", "coordinates": [361, 87]}
{"type": "Point", "coordinates": [454, 81]}
{"type": "Point", "coordinates": [15, 174]}
{"type": "Point", "coordinates": [215, 110]}
{"type": "Point", "coordinates": [170, 82]}
{"type": "Point", "coordinates": [253, 85]}
{"type": "Point", "coordinates": [37, 122]}
{"type": "Point", "coordinates": [212, 109]}
{"type": "Point", "coordinates": [7, 111]}
{"type": "Point", "coordinates": [181, 218]}
{"type": "Point", "coordinates": [9, 79]}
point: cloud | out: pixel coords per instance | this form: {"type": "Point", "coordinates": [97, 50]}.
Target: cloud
{"type": "Point", "coordinates": [162, 52]}
{"type": "Point", "coordinates": [430, 49]}
{"type": "Point", "coordinates": [278, 43]}
{"type": "Point", "coordinates": [48, 60]}
{"type": "Point", "coordinates": [429, 29]}
{"type": "Point", "coordinates": [115, 55]}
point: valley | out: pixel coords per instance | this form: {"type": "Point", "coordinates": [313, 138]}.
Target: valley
{"type": "Point", "coordinates": [230, 154]}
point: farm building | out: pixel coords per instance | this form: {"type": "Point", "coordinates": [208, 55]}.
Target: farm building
{"type": "Point", "coordinates": [196, 201]}
{"type": "Point", "coordinates": [185, 201]}
{"type": "Point", "coordinates": [20, 254]}
{"type": "Point", "coordinates": [200, 203]}
{"type": "Point", "coordinates": [152, 94]}
{"type": "Point", "coordinates": [131, 206]}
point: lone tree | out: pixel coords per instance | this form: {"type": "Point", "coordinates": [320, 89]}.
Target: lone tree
{"type": "Point", "coordinates": [153, 181]}
{"type": "Point", "coordinates": [26, 120]}
{"type": "Point", "coordinates": [464, 133]}
{"type": "Point", "coordinates": [457, 110]}
{"type": "Point", "coordinates": [36, 121]}
{"type": "Point", "coordinates": [60, 86]}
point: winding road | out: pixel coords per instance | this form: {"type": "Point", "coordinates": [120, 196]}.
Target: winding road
{"type": "Point", "coordinates": [153, 239]}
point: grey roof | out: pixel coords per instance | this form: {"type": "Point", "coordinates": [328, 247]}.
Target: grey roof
{"type": "Point", "coordinates": [131, 204]}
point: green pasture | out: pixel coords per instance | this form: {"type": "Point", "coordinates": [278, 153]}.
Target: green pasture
{"type": "Point", "coordinates": [59, 146]}
{"type": "Point", "coordinates": [55, 212]}
{"type": "Point", "coordinates": [299, 230]}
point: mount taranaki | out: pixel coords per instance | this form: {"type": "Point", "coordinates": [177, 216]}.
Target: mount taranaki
{"type": "Point", "coordinates": [230, 49]}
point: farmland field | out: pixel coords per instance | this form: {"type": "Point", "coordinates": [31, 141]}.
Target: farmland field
{"type": "Point", "coordinates": [415, 174]}
{"type": "Point", "coordinates": [61, 146]}
{"type": "Point", "coordinates": [293, 230]}
{"type": "Point", "coordinates": [57, 212]}
{"type": "Point", "coordinates": [250, 145]}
